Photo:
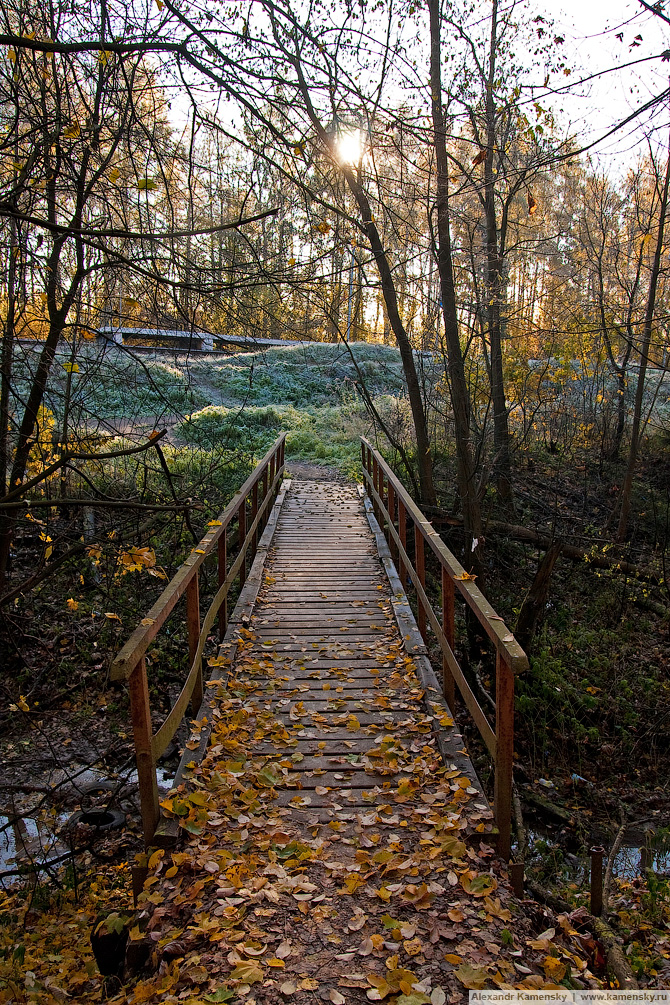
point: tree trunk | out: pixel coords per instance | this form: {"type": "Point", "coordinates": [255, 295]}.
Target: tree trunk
{"type": "Point", "coordinates": [637, 429]}
{"type": "Point", "coordinates": [494, 289]}
{"type": "Point", "coordinates": [620, 415]}
{"type": "Point", "coordinates": [536, 598]}
{"type": "Point", "coordinates": [425, 460]}
{"type": "Point", "coordinates": [427, 486]}
{"type": "Point", "coordinates": [6, 366]}
{"type": "Point", "coordinates": [455, 363]}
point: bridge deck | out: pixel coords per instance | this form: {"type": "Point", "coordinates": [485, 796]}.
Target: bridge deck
{"type": "Point", "coordinates": [322, 655]}
{"type": "Point", "coordinates": [333, 851]}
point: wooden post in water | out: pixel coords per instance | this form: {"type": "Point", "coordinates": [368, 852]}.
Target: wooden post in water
{"type": "Point", "coordinates": [597, 880]}
{"type": "Point", "coordinates": [140, 714]}
{"type": "Point", "coordinates": [502, 794]}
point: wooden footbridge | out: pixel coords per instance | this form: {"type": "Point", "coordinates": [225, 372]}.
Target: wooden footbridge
{"type": "Point", "coordinates": [322, 644]}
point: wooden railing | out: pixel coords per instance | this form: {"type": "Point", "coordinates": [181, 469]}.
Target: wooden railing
{"type": "Point", "coordinates": [394, 508]}
{"type": "Point", "coordinates": [249, 509]}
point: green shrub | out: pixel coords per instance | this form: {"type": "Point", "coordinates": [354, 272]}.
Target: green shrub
{"type": "Point", "coordinates": [250, 430]}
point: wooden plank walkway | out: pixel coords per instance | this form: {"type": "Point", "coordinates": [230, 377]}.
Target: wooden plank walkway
{"type": "Point", "coordinates": [333, 850]}
{"type": "Point", "coordinates": [322, 655]}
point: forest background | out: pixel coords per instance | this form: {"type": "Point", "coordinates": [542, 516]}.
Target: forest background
{"type": "Point", "coordinates": [393, 191]}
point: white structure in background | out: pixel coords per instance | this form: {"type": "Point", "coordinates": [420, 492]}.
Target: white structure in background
{"type": "Point", "coordinates": [184, 339]}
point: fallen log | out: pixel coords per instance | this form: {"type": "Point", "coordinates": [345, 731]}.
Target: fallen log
{"type": "Point", "coordinates": [617, 964]}
{"type": "Point", "coordinates": [547, 807]}
{"type": "Point", "coordinates": [520, 533]}
{"type": "Point", "coordinates": [571, 551]}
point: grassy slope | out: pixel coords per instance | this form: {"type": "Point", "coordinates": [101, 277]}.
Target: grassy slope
{"type": "Point", "coordinates": [308, 391]}
{"type": "Point", "coordinates": [237, 404]}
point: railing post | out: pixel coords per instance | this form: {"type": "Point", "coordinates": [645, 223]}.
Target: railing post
{"type": "Point", "coordinates": [502, 798]}
{"type": "Point", "coordinates": [193, 626]}
{"type": "Point", "coordinates": [242, 529]}
{"type": "Point", "coordinates": [223, 562]}
{"type": "Point", "coordinates": [402, 534]}
{"type": "Point", "coordinates": [254, 511]}
{"type": "Point", "coordinates": [448, 628]}
{"type": "Point", "coordinates": [266, 515]}
{"type": "Point", "coordinates": [391, 508]}
{"type": "Point", "coordinates": [420, 565]}
{"type": "Point", "coordinates": [140, 714]}
{"type": "Point", "coordinates": [382, 496]}
{"type": "Point", "coordinates": [375, 479]}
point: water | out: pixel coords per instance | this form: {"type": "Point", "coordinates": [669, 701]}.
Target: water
{"type": "Point", "coordinates": [630, 861]}
{"type": "Point", "coordinates": [39, 838]}
{"type": "Point", "coordinates": [27, 840]}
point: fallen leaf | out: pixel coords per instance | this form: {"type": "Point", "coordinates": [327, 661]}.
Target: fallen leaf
{"type": "Point", "coordinates": [412, 947]}
{"type": "Point", "coordinates": [473, 978]}
{"type": "Point", "coordinates": [247, 971]}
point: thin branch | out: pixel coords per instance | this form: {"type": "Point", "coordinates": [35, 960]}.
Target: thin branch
{"type": "Point", "coordinates": [95, 45]}
{"type": "Point", "coordinates": [176, 507]}
{"type": "Point", "coordinates": [655, 9]}
{"type": "Point", "coordinates": [136, 235]}
{"type": "Point", "coordinates": [77, 456]}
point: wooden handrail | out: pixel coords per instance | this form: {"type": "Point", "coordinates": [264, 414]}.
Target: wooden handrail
{"type": "Point", "coordinates": [130, 664]}
{"type": "Point", "coordinates": [389, 496]}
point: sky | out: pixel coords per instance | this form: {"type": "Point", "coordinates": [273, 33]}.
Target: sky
{"type": "Point", "coordinates": [591, 29]}
{"type": "Point", "coordinates": [601, 41]}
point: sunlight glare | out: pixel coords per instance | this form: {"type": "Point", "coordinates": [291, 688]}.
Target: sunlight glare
{"type": "Point", "coordinates": [350, 147]}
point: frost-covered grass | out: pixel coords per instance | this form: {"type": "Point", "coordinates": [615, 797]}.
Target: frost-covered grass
{"type": "Point", "coordinates": [239, 403]}
{"type": "Point", "coordinates": [113, 386]}
{"type": "Point", "coordinates": [315, 374]}
{"type": "Point", "coordinates": [307, 391]}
